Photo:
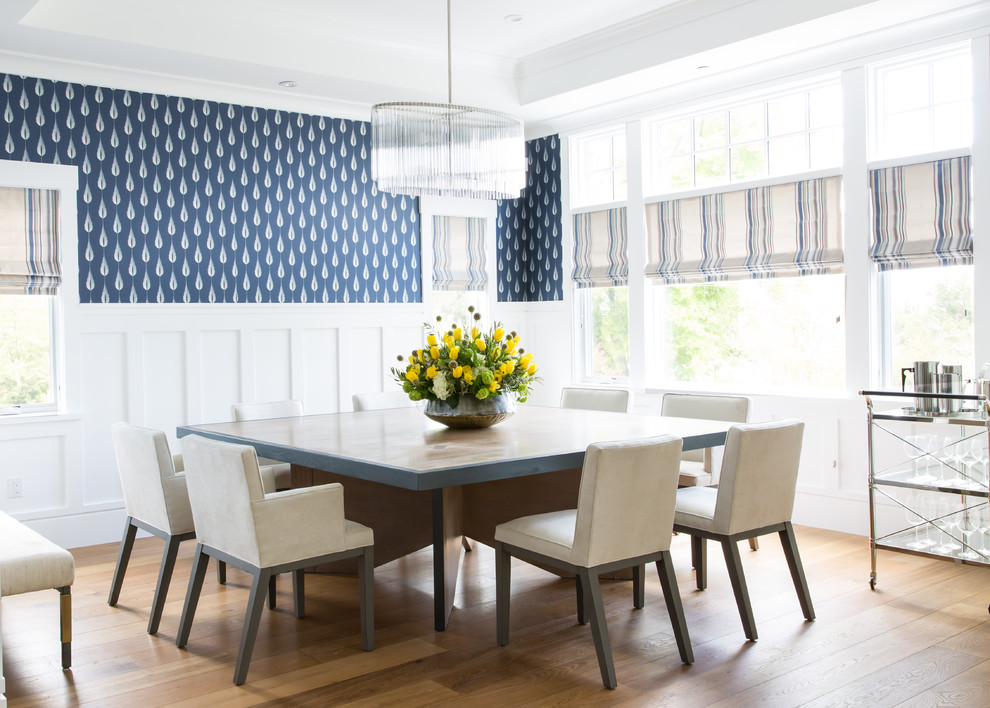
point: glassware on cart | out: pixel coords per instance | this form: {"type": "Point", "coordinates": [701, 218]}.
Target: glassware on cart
{"type": "Point", "coordinates": [947, 521]}
{"type": "Point", "coordinates": [917, 447]}
{"type": "Point", "coordinates": [969, 527]}
{"type": "Point", "coordinates": [912, 501]}
{"type": "Point", "coordinates": [983, 522]}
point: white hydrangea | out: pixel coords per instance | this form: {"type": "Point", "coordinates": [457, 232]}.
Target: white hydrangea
{"type": "Point", "coordinates": [442, 385]}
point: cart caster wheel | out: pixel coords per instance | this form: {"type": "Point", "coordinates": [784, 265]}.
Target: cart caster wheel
{"type": "Point", "coordinates": [873, 586]}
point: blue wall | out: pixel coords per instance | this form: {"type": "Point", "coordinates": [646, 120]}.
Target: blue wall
{"type": "Point", "coordinates": [530, 252]}
{"type": "Point", "coordinates": [198, 201]}
{"type": "Point", "coordinates": [194, 201]}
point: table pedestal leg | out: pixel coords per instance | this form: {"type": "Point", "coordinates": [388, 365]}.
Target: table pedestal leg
{"type": "Point", "coordinates": [447, 535]}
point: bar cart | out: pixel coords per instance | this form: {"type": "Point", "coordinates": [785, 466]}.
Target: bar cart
{"type": "Point", "coordinates": [943, 481]}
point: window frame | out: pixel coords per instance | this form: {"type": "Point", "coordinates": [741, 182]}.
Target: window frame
{"type": "Point", "coordinates": [579, 146]}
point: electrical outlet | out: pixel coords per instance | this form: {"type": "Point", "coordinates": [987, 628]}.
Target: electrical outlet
{"type": "Point", "coordinates": [15, 488]}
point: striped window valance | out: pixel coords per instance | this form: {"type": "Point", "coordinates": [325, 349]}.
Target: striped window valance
{"type": "Point", "coordinates": [764, 232]}
{"type": "Point", "coordinates": [600, 259]}
{"type": "Point", "coordinates": [459, 253]}
{"type": "Point", "coordinates": [29, 250]}
{"type": "Point", "coordinates": [921, 214]}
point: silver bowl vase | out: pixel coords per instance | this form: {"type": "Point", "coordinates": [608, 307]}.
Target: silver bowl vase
{"type": "Point", "coordinates": [471, 412]}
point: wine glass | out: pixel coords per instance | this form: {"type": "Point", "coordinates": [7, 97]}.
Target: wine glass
{"type": "Point", "coordinates": [969, 526]}
{"type": "Point", "coordinates": [916, 447]}
{"type": "Point", "coordinates": [948, 522]}
{"type": "Point", "coordinates": [983, 528]}
{"type": "Point", "coordinates": [912, 501]}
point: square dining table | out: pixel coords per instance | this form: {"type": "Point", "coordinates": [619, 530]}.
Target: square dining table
{"type": "Point", "coordinates": [419, 483]}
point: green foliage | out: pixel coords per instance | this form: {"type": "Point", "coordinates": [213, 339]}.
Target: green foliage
{"type": "Point", "coordinates": [610, 322]}
{"type": "Point", "coordinates": [702, 327]}
{"type": "Point", "coordinates": [938, 327]}
{"type": "Point", "coordinates": [25, 359]}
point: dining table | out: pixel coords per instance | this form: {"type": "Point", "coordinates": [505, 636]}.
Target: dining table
{"type": "Point", "coordinates": [418, 483]}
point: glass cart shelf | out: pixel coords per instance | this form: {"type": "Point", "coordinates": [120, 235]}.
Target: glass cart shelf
{"type": "Point", "coordinates": [968, 481]}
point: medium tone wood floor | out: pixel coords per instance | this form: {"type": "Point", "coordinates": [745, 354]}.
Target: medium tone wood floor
{"type": "Point", "coordinates": [921, 639]}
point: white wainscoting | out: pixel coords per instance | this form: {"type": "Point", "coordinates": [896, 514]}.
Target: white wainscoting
{"type": "Point", "coordinates": [164, 366]}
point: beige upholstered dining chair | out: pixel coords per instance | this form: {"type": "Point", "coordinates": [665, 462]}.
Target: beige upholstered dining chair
{"type": "Point", "coordinates": [264, 534]}
{"type": "Point", "coordinates": [623, 519]}
{"type": "Point", "coordinates": [381, 400]}
{"type": "Point", "coordinates": [696, 465]}
{"type": "Point", "coordinates": [156, 501]}
{"type": "Point", "coordinates": [280, 476]}
{"type": "Point", "coordinates": [755, 496]}
{"type": "Point", "coordinates": [615, 400]}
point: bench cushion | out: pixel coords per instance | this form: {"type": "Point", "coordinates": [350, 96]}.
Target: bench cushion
{"type": "Point", "coordinates": [29, 561]}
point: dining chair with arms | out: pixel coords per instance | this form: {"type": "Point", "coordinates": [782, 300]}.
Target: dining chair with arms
{"type": "Point", "coordinates": [156, 501]}
{"type": "Point", "coordinates": [615, 400]}
{"type": "Point", "coordinates": [381, 400]}
{"type": "Point", "coordinates": [755, 496]}
{"type": "Point", "coordinates": [623, 519]}
{"type": "Point", "coordinates": [265, 534]}
{"type": "Point", "coordinates": [280, 476]}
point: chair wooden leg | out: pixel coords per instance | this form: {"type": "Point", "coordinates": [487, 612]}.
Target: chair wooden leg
{"type": "Point", "coordinates": [754, 544]}
{"type": "Point", "coordinates": [366, 582]}
{"type": "Point", "coordinates": [196, 577]}
{"type": "Point", "coordinates": [672, 596]}
{"type": "Point", "coordinates": [271, 592]}
{"type": "Point", "coordinates": [599, 629]}
{"type": "Point", "coordinates": [164, 578]}
{"type": "Point", "coordinates": [789, 542]}
{"type": "Point", "coordinates": [639, 586]}
{"type": "Point", "coordinates": [582, 606]}
{"type": "Point", "coordinates": [221, 572]}
{"type": "Point", "coordinates": [699, 558]}
{"type": "Point", "coordinates": [503, 571]}
{"type": "Point", "coordinates": [126, 544]}
{"type": "Point", "coordinates": [65, 624]}
{"type": "Point", "coordinates": [252, 617]}
{"type": "Point", "coordinates": [298, 592]}
{"type": "Point", "coordinates": [734, 565]}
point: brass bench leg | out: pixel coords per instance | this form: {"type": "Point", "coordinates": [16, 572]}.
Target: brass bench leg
{"type": "Point", "coordinates": [65, 624]}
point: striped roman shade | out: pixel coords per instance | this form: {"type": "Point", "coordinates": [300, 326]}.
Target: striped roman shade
{"type": "Point", "coordinates": [921, 214]}
{"type": "Point", "coordinates": [600, 259]}
{"type": "Point", "coordinates": [764, 232]}
{"type": "Point", "coordinates": [459, 253]}
{"type": "Point", "coordinates": [29, 251]}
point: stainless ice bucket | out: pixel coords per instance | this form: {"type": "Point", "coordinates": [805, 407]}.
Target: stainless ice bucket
{"type": "Point", "coordinates": [924, 382]}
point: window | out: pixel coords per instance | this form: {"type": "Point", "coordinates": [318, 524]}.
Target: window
{"type": "Point", "coordinates": [30, 273]}
{"type": "Point", "coordinates": [598, 167]}
{"type": "Point", "coordinates": [929, 317]}
{"type": "Point", "coordinates": [786, 134]}
{"type": "Point", "coordinates": [771, 335]}
{"type": "Point", "coordinates": [605, 319]}
{"type": "Point", "coordinates": [919, 105]}
{"type": "Point", "coordinates": [922, 104]}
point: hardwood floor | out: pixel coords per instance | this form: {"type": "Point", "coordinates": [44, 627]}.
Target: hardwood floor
{"type": "Point", "coordinates": [921, 639]}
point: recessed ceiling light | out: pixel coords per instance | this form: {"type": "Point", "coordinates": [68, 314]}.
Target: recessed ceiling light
{"type": "Point", "coordinates": [513, 18]}
{"type": "Point", "coordinates": [288, 83]}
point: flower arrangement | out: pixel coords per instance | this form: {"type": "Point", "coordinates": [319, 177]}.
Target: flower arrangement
{"type": "Point", "coordinates": [459, 362]}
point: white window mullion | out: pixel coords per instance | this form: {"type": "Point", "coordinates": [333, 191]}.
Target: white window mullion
{"type": "Point", "coordinates": [980, 48]}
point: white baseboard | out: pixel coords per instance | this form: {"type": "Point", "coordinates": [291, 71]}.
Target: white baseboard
{"type": "Point", "coordinates": [834, 513]}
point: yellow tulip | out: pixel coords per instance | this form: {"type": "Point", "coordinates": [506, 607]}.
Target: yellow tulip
{"type": "Point", "coordinates": [419, 353]}
{"type": "Point", "coordinates": [525, 359]}
{"type": "Point", "coordinates": [494, 387]}
{"type": "Point", "coordinates": [448, 340]}
{"type": "Point", "coordinates": [431, 372]}
{"type": "Point", "coordinates": [458, 333]}
{"type": "Point", "coordinates": [435, 352]}
{"type": "Point", "coordinates": [480, 344]}
{"type": "Point", "coordinates": [412, 360]}
{"type": "Point", "coordinates": [498, 376]}
{"type": "Point", "coordinates": [468, 375]}
{"type": "Point", "coordinates": [510, 346]}
{"type": "Point", "coordinates": [412, 375]}
{"type": "Point", "coordinates": [431, 340]}
{"type": "Point", "coordinates": [454, 351]}
{"type": "Point", "coordinates": [510, 366]}
{"type": "Point", "coordinates": [474, 333]}
{"type": "Point", "coordinates": [456, 373]}
{"type": "Point", "coordinates": [531, 370]}
{"type": "Point", "coordinates": [499, 333]}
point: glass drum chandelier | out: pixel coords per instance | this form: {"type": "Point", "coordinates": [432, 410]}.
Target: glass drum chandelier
{"type": "Point", "coordinates": [442, 149]}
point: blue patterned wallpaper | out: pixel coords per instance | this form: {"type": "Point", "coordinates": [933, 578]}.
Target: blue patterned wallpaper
{"type": "Point", "coordinates": [196, 201]}
{"type": "Point", "coordinates": [529, 250]}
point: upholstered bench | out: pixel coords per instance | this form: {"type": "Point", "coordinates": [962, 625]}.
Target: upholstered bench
{"type": "Point", "coordinates": [29, 562]}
